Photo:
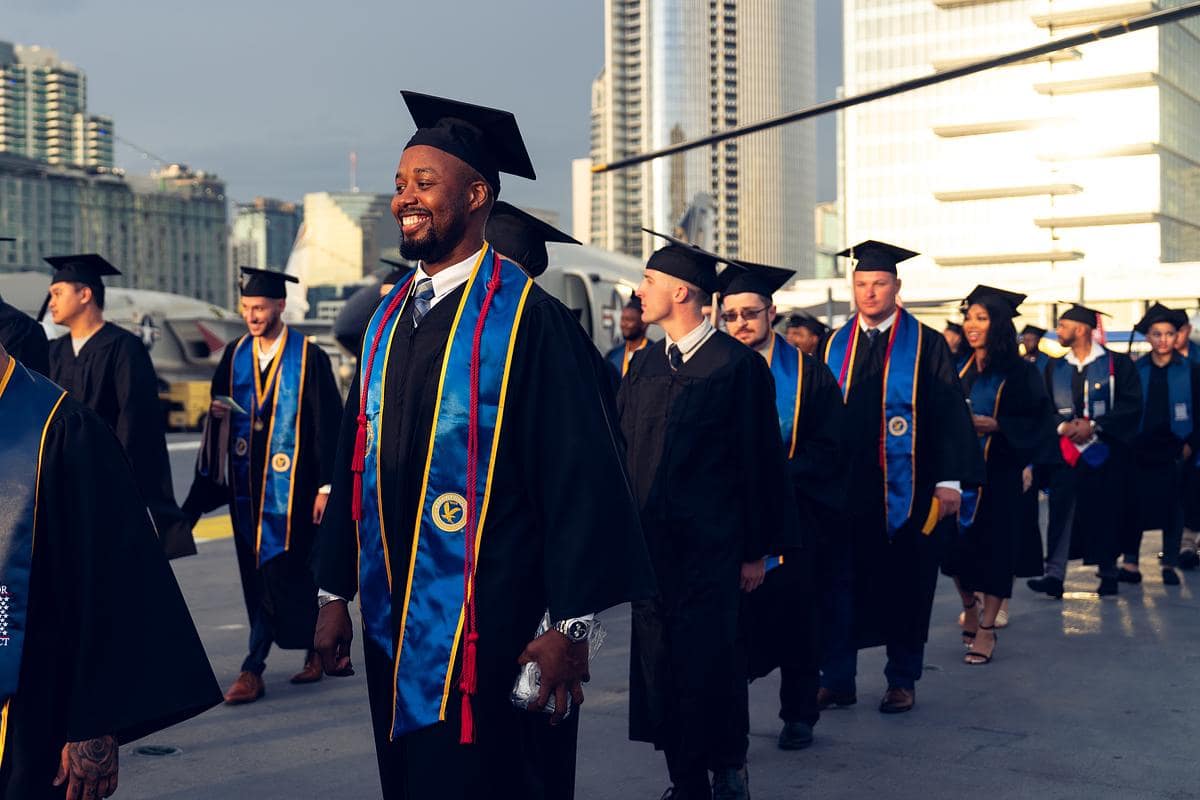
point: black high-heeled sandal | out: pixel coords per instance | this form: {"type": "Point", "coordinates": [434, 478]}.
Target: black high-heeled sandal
{"type": "Point", "coordinates": [975, 659]}
{"type": "Point", "coordinates": [968, 636]}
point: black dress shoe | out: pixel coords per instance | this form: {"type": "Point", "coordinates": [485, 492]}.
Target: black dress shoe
{"type": "Point", "coordinates": [1108, 587]}
{"type": "Point", "coordinates": [1188, 559]}
{"type": "Point", "coordinates": [1047, 585]}
{"type": "Point", "coordinates": [795, 736]}
{"type": "Point", "coordinates": [1170, 577]}
{"type": "Point", "coordinates": [1128, 576]}
{"type": "Point", "coordinates": [731, 784]}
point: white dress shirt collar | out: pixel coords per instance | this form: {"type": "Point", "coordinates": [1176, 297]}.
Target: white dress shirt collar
{"type": "Point", "coordinates": [448, 279]}
{"type": "Point", "coordinates": [1097, 352]}
{"type": "Point", "coordinates": [691, 342]}
{"type": "Point", "coordinates": [881, 327]}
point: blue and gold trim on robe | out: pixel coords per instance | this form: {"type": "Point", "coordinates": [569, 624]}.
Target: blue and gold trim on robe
{"type": "Point", "coordinates": [898, 447]}
{"type": "Point", "coordinates": [787, 368]}
{"type": "Point", "coordinates": [432, 612]}
{"type": "Point", "coordinates": [1179, 393]}
{"type": "Point", "coordinates": [620, 356]}
{"type": "Point", "coordinates": [270, 532]}
{"type": "Point", "coordinates": [27, 405]}
{"type": "Point", "coordinates": [985, 399]}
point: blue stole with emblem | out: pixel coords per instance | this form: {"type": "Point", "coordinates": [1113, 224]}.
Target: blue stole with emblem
{"type": "Point", "coordinates": [270, 533]}
{"type": "Point", "coordinates": [1179, 393]}
{"type": "Point", "coordinates": [787, 368]}
{"type": "Point", "coordinates": [432, 615]}
{"type": "Point", "coordinates": [27, 404]}
{"type": "Point", "coordinates": [985, 399]}
{"type": "Point", "coordinates": [898, 450]}
{"type": "Point", "coordinates": [1097, 400]}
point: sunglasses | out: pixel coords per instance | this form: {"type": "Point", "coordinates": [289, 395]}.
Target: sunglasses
{"type": "Point", "coordinates": [746, 314]}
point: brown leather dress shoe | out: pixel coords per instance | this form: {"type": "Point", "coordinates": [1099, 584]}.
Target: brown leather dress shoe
{"type": "Point", "coordinates": [246, 689]}
{"type": "Point", "coordinates": [827, 698]}
{"type": "Point", "coordinates": [897, 700]}
{"type": "Point", "coordinates": [311, 672]}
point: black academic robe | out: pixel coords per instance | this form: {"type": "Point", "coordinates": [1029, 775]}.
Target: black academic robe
{"type": "Point", "coordinates": [818, 481]}
{"type": "Point", "coordinates": [110, 647]}
{"type": "Point", "coordinates": [1102, 498]}
{"type": "Point", "coordinates": [113, 376]}
{"type": "Point", "coordinates": [283, 587]}
{"type": "Point", "coordinates": [24, 339]}
{"type": "Point", "coordinates": [894, 581]}
{"type": "Point", "coordinates": [985, 555]}
{"type": "Point", "coordinates": [709, 472]}
{"type": "Point", "coordinates": [561, 533]}
{"type": "Point", "coordinates": [1159, 474]}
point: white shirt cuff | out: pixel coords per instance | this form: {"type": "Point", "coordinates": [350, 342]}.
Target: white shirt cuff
{"type": "Point", "coordinates": [328, 596]}
{"type": "Point", "coordinates": [953, 485]}
{"type": "Point", "coordinates": [326, 489]}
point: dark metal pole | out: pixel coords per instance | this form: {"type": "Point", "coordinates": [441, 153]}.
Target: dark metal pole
{"type": "Point", "coordinates": [1116, 29]}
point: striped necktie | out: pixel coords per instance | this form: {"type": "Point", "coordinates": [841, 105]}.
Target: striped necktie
{"type": "Point", "coordinates": [421, 300]}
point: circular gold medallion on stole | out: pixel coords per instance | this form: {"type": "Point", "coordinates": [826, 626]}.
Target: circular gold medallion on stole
{"type": "Point", "coordinates": [281, 462]}
{"type": "Point", "coordinates": [897, 426]}
{"type": "Point", "coordinates": [450, 512]}
{"type": "Point", "coordinates": [258, 425]}
{"type": "Point", "coordinates": [241, 447]}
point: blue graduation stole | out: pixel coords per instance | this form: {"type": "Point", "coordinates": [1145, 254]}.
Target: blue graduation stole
{"type": "Point", "coordinates": [270, 533]}
{"type": "Point", "coordinates": [787, 368]}
{"type": "Point", "coordinates": [454, 502]}
{"type": "Point", "coordinates": [985, 395]}
{"type": "Point", "coordinates": [897, 453]}
{"type": "Point", "coordinates": [27, 404]}
{"type": "Point", "coordinates": [618, 358]}
{"type": "Point", "coordinates": [1097, 386]}
{"type": "Point", "coordinates": [1179, 393]}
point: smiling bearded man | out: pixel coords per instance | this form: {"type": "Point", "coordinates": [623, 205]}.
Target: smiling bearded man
{"type": "Point", "coordinates": [459, 518]}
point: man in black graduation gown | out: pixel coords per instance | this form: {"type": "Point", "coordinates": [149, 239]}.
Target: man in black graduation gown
{"type": "Point", "coordinates": [906, 474]}
{"type": "Point", "coordinates": [98, 647]}
{"type": "Point", "coordinates": [782, 617]}
{"type": "Point", "coordinates": [107, 368]}
{"type": "Point", "coordinates": [559, 527]}
{"type": "Point", "coordinates": [1163, 448]}
{"type": "Point", "coordinates": [805, 333]}
{"type": "Point", "coordinates": [1098, 402]}
{"type": "Point", "coordinates": [633, 339]}
{"type": "Point", "coordinates": [710, 476]}
{"type": "Point", "coordinates": [273, 550]}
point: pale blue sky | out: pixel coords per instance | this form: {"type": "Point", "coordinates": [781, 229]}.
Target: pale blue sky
{"type": "Point", "coordinates": [273, 96]}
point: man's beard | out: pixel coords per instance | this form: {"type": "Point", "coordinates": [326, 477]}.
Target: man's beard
{"type": "Point", "coordinates": [429, 250]}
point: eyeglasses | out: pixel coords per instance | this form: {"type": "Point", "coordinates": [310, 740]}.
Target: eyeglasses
{"type": "Point", "coordinates": [746, 314]}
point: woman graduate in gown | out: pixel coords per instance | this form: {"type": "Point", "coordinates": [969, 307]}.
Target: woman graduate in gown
{"type": "Point", "coordinates": [1012, 416]}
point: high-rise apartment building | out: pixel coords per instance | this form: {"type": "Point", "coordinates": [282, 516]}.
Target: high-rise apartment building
{"type": "Point", "coordinates": [263, 233]}
{"type": "Point", "coordinates": [675, 70]}
{"type": "Point", "coordinates": [43, 111]}
{"type": "Point", "coordinates": [344, 236]}
{"type": "Point", "coordinates": [1067, 165]}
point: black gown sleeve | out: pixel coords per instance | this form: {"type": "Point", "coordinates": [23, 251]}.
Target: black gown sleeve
{"type": "Point", "coordinates": [31, 347]}
{"type": "Point", "coordinates": [1122, 421]}
{"type": "Point", "coordinates": [1025, 418]}
{"type": "Point", "coordinates": [335, 552]}
{"type": "Point", "coordinates": [1193, 440]}
{"type": "Point", "coordinates": [205, 495]}
{"type": "Point", "coordinates": [133, 662]}
{"type": "Point", "coordinates": [956, 448]}
{"type": "Point", "coordinates": [771, 521]}
{"type": "Point", "coordinates": [328, 407]}
{"type": "Point", "coordinates": [573, 459]}
{"type": "Point", "coordinates": [816, 467]}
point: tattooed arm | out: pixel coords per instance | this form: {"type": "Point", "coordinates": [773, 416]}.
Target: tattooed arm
{"type": "Point", "coordinates": [89, 768]}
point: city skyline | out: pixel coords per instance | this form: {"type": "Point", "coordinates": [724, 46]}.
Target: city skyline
{"type": "Point", "coordinates": [323, 84]}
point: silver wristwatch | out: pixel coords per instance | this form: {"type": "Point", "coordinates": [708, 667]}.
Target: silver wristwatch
{"type": "Point", "coordinates": [576, 630]}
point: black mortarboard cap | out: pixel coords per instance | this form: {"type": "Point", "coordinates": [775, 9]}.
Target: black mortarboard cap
{"type": "Point", "coordinates": [1083, 314]}
{"type": "Point", "coordinates": [954, 326]}
{"type": "Point", "coordinates": [635, 302]}
{"type": "Point", "coordinates": [1184, 317]}
{"type": "Point", "coordinates": [873, 256]}
{"type": "Point", "coordinates": [1034, 329]}
{"type": "Point", "coordinates": [522, 237]}
{"type": "Point", "coordinates": [996, 300]}
{"type": "Point", "coordinates": [265, 283]}
{"type": "Point", "coordinates": [85, 268]}
{"type": "Point", "coordinates": [1160, 313]}
{"type": "Point", "coordinates": [688, 262]}
{"type": "Point", "coordinates": [811, 323]}
{"type": "Point", "coordinates": [486, 139]}
{"type": "Point", "coordinates": [757, 278]}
